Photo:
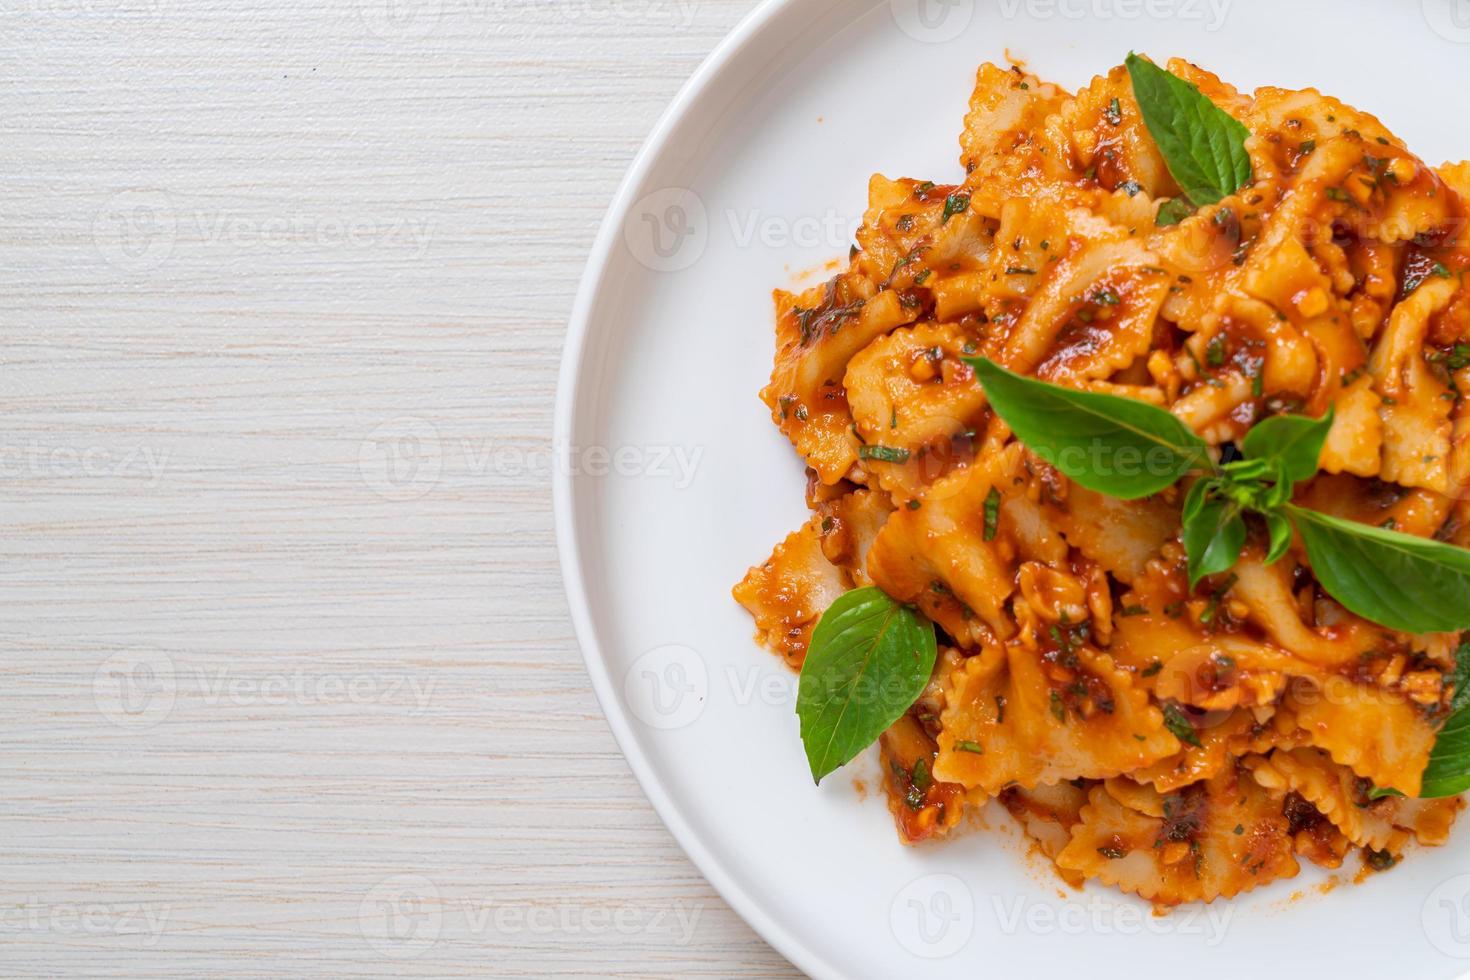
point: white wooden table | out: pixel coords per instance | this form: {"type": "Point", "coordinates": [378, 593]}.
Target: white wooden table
{"type": "Point", "coordinates": [286, 681]}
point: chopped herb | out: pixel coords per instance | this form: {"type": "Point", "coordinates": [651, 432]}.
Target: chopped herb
{"type": "Point", "coordinates": [975, 748]}
{"type": "Point", "coordinates": [914, 505]}
{"type": "Point", "coordinates": [1456, 359]}
{"type": "Point", "coordinates": [923, 277]}
{"type": "Point", "coordinates": [1258, 376]}
{"type": "Point", "coordinates": [1172, 212]}
{"type": "Point", "coordinates": [921, 777]}
{"type": "Point", "coordinates": [925, 187]}
{"type": "Point", "coordinates": [1239, 830]}
{"type": "Point", "coordinates": [1058, 709]}
{"type": "Point", "coordinates": [1017, 270]}
{"type": "Point", "coordinates": [1112, 853]}
{"type": "Point", "coordinates": [1135, 611]}
{"type": "Point", "coordinates": [1338, 194]}
{"type": "Point", "coordinates": [905, 222]}
{"type": "Point", "coordinates": [1378, 860]}
{"type": "Point", "coordinates": [1215, 350]}
{"type": "Point", "coordinates": [1114, 113]}
{"type": "Point", "coordinates": [1153, 669]}
{"type": "Point", "coordinates": [1179, 725]}
{"type": "Point", "coordinates": [1000, 709]}
{"type": "Point", "coordinates": [887, 454]}
{"type": "Point", "coordinates": [1308, 147]}
{"type": "Point", "coordinates": [1107, 297]}
{"type": "Point", "coordinates": [992, 514]}
{"type": "Point", "coordinates": [953, 205]}
{"type": "Point", "coordinates": [1131, 187]}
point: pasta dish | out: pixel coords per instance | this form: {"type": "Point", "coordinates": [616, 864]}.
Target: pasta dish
{"type": "Point", "coordinates": [1136, 462]}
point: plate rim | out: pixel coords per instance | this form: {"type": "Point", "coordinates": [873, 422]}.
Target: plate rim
{"type": "Point", "coordinates": [568, 396]}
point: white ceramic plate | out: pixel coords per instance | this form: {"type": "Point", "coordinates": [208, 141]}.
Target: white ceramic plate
{"type": "Point", "coordinates": [673, 482]}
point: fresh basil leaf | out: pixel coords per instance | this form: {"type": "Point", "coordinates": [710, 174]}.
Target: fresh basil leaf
{"type": "Point", "coordinates": [1213, 539]}
{"type": "Point", "coordinates": [1407, 583]}
{"type": "Point", "coordinates": [1118, 446]}
{"type": "Point", "coordinates": [1202, 144]}
{"type": "Point", "coordinates": [1245, 470]}
{"type": "Point", "coordinates": [1383, 792]}
{"type": "Point", "coordinates": [1172, 212]}
{"type": "Point", "coordinates": [869, 660]}
{"type": "Point", "coordinates": [1294, 440]}
{"type": "Point", "coordinates": [1279, 493]}
{"type": "Point", "coordinates": [1460, 680]}
{"type": "Point", "coordinates": [1448, 772]}
{"type": "Point", "coordinates": [1198, 494]}
{"type": "Point", "coordinates": [1280, 528]}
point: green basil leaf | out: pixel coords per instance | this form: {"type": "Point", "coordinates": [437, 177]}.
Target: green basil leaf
{"type": "Point", "coordinates": [1280, 529]}
{"type": "Point", "coordinates": [1407, 583]}
{"type": "Point", "coordinates": [869, 660]}
{"type": "Point", "coordinates": [1118, 446]}
{"type": "Point", "coordinates": [1213, 539]}
{"type": "Point", "coordinates": [1279, 495]}
{"type": "Point", "coordinates": [1460, 680]}
{"type": "Point", "coordinates": [1294, 440]}
{"type": "Point", "coordinates": [1197, 496]}
{"type": "Point", "coordinates": [1246, 470]}
{"type": "Point", "coordinates": [1202, 144]}
{"type": "Point", "coordinates": [1382, 792]}
{"type": "Point", "coordinates": [1448, 772]}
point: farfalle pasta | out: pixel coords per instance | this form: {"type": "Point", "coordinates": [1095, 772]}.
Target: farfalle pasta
{"type": "Point", "coordinates": [1181, 737]}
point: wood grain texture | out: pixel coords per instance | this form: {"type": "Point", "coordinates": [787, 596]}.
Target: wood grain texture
{"type": "Point", "coordinates": [287, 684]}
